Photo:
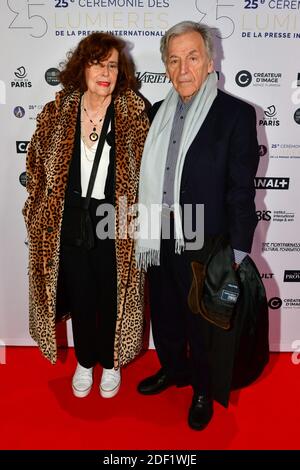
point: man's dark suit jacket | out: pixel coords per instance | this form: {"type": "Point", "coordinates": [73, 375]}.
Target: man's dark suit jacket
{"type": "Point", "coordinates": [219, 172]}
{"type": "Point", "coordinates": [220, 167]}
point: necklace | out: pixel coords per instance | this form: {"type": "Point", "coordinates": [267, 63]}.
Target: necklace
{"type": "Point", "coordinates": [93, 135]}
{"type": "Point", "coordinates": [86, 150]}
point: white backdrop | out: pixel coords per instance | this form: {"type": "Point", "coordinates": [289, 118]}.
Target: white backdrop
{"type": "Point", "coordinates": [257, 59]}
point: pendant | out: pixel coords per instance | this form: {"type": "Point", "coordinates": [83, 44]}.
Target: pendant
{"type": "Point", "coordinates": [93, 136]}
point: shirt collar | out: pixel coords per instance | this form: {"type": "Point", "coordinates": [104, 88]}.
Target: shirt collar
{"type": "Point", "coordinates": [184, 106]}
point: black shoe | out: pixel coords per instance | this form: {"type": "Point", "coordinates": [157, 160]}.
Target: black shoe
{"type": "Point", "coordinates": [158, 383]}
{"type": "Point", "coordinates": [201, 412]}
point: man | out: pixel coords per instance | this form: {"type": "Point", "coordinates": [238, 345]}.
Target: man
{"type": "Point", "coordinates": [201, 149]}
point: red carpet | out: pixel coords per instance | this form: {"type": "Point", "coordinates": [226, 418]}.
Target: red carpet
{"type": "Point", "coordinates": [38, 410]}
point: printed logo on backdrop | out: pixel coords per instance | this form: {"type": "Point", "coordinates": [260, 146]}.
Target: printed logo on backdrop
{"type": "Point", "coordinates": [245, 78]}
{"type": "Point", "coordinates": [284, 151]}
{"type": "Point", "coordinates": [270, 19]}
{"type": "Point", "coordinates": [21, 72]}
{"type": "Point", "coordinates": [155, 77]}
{"type": "Point", "coordinates": [264, 215]}
{"type": "Point", "coordinates": [152, 77]}
{"type": "Point", "coordinates": [275, 216]}
{"type": "Point", "coordinates": [297, 116]}
{"type": "Point", "coordinates": [266, 275]}
{"type": "Point", "coordinates": [29, 17]}
{"type": "Point", "coordinates": [128, 18]}
{"type": "Point", "coordinates": [270, 117]}
{"type": "Point", "coordinates": [33, 110]}
{"type": "Point", "coordinates": [221, 14]}
{"type": "Point", "coordinates": [21, 146]}
{"type": "Point", "coordinates": [271, 183]}
{"type": "Point", "coordinates": [20, 80]}
{"type": "Point", "coordinates": [51, 76]}
{"type": "Point", "coordinates": [296, 94]}
{"type": "Point", "coordinates": [262, 150]}
{"type": "Point", "coordinates": [19, 111]}
{"type": "Point", "coordinates": [276, 303]}
{"type": "Point", "coordinates": [281, 246]}
{"type": "Point", "coordinates": [23, 179]}
{"type": "Point", "coordinates": [291, 275]}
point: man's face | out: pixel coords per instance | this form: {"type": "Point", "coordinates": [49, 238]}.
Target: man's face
{"type": "Point", "coordinates": [187, 63]}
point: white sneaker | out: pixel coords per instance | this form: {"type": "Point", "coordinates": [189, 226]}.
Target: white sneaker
{"type": "Point", "coordinates": [82, 381]}
{"type": "Point", "coordinates": [110, 383]}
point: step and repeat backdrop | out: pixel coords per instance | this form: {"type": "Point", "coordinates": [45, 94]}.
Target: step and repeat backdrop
{"type": "Point", "coordinates": [257, 44]}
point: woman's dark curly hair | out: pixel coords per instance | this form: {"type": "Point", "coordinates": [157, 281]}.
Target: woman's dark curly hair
{"type": "Point", "coordinates": [96, 47]}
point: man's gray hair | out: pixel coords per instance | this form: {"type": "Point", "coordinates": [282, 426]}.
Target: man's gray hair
{"type": "Point", "coordinates": [188, 27]}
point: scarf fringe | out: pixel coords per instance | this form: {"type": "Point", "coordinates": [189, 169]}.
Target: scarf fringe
{"type": "Point", "coordinates": [147, 258]}
{"type": "Point", "coordinates": [179, 246]}
{"type": "Point", "coordinates": [151, 257]}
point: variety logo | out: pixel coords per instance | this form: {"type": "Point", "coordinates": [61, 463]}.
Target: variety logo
{"type": "Point", "coordinates": [21, 146]}
{"type": "Point", "coordinates": [51, 76]}
{"type": "Point", "coordinates": [152, 77]}
{"type": "Point", "coordinates": [20, 81]}
{"type": "Point", "coordinates": [298, 79]}
{"type": "Point", "coordinates": [19, 112]}
{"type": "Point", "coordinates": [291, 276]}
{"type": "Point", "coordinates": [271, 183]}
{"type": "Point", "coordinates": [270, 117]}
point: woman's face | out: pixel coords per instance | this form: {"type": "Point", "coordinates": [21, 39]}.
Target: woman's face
{"type": "Point", "coordinates": [101, 77]}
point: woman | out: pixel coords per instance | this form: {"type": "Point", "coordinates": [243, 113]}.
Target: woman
{"type": "Point", "coordinates": [100, 286]}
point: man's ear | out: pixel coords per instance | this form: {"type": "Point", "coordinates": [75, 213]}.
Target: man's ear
{"type": "Point", "coordinates": [211, 66]}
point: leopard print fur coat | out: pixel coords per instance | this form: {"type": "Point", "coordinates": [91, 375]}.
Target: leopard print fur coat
{"type": "Point", "coordinates": [48, 158]}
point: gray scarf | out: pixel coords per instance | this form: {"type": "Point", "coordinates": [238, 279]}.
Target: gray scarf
{"type": "Point", "coordinates": [153, 164]}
